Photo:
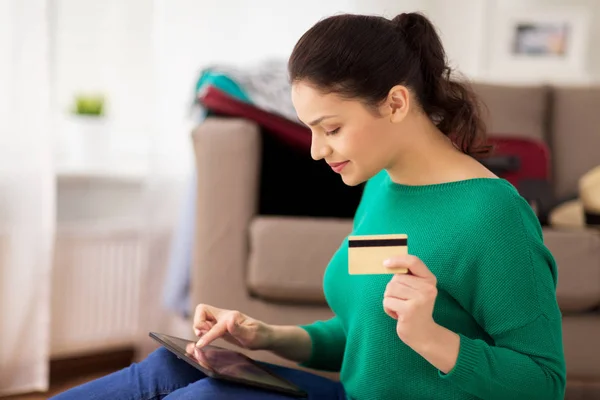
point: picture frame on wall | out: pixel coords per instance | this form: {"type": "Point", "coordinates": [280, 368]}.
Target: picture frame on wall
{"type": "Point", "coordinates": [543, 44]}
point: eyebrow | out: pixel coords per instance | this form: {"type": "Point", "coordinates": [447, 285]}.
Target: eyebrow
{"type": "Point", "coordinates": [319, 120]}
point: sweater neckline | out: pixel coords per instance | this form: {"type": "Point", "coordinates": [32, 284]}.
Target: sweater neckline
{"type": "Point", "coordinates": [435, 187]}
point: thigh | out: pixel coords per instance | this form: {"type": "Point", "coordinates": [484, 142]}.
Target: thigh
{"type": "Point", "coordinates": [155, 377]}
{"type": "Point", "coordinates": [316, 386]}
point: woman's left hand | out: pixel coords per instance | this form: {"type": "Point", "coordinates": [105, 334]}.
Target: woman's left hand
{"type": "Point", "coordinates": [409, 299]}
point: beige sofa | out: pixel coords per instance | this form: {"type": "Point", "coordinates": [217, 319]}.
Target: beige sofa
{"type": "Point", "coordinates": [271, 267]}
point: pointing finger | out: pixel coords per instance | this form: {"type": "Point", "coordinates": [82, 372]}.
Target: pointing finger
{"type": "Point", "coordinates": [214, 333]}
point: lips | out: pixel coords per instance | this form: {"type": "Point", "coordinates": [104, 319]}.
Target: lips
{"type": "Point", "coordinates": [338, 167]}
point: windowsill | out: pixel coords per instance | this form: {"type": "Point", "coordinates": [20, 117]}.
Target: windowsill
{"type": "Point", "coordinates": [110, 172]}
{"type": "Point", "coordinates": [123, 167]}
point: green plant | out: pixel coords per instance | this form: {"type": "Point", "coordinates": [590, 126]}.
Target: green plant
{"type": "Point", "coordinates": [92, 105]}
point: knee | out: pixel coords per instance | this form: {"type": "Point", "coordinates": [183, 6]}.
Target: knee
{"type": "Point", "coordinates": [160, 357]}
{"type": "Point", "coordinates": [163, 363]}
{"type": "Point", "coordinates": [161, 353]}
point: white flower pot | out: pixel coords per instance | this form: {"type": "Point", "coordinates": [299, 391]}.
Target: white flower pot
{"type": "Point", "coordinates": [86, 142]}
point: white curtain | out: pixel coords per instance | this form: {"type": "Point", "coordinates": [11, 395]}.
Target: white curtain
{"type": "Point", "coordinates": [26, 196]}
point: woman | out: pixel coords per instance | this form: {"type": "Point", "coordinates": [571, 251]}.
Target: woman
{"type": "Point", "coordinates": [475, 317]}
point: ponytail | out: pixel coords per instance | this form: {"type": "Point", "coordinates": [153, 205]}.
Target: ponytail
{"type": "Point", "coordinates": [452, 105]}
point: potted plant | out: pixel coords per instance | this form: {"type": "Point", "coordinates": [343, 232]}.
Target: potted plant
{"type": "Point", "coordinates": [89, 105]}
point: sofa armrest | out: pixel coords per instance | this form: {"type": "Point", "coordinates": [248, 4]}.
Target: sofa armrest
{"type": "Point", "coordinates": [227, 153]}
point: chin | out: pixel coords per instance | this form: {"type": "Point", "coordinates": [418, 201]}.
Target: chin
{"type": "Point", "coordinates": [352, 180]}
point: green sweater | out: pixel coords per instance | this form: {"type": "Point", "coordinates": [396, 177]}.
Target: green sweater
{"type": "Point", "coordinates": [496, 289]}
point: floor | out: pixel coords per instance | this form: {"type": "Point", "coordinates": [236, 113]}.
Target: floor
{"type": "Point", "coordinates": [71, 372]}
{"type": "Point", "coordinates": [57, 388]}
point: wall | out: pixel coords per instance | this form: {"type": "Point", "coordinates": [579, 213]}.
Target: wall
{"type": "Point", "coordinates": [107, 47]}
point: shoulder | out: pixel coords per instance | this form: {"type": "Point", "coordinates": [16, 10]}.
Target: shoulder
{"type": "Point", "coordinates": [495, 207]}
{"type": "Point", "coordinates": [504, 231]}
{"type": "Point", "coordinates": [504, 263]}
{"type": "Point", "coordinates": [498, 227]}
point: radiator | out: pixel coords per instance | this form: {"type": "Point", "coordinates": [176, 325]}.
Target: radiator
{"type": "Point", "coordinates": [98, 274]}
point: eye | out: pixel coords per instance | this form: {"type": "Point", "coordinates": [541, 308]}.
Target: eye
{"type": "Point", "coordinates": [333, 132]}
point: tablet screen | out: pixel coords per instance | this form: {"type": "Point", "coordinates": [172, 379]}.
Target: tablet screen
{"type": "Point", "coordinates": [225, 362]}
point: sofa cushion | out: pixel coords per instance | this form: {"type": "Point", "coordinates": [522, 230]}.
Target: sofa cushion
{"type": "Point", "coordinates": [575, 135]}
{"type": "Point", "coordinates": [580, 338]}
{"type": "Point", "coordinates": [577, 254]}
{"type": "Point", "coordinates": [515, 110]}
{"type": "Point", "coordinates": [288, 256]}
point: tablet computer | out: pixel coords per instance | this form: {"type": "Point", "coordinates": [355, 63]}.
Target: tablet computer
{"type": "Point", "coordinates": [228, 365]}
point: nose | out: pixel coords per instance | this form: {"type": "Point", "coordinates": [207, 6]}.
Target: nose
{"type": "Point", "coordinates": [319, 148]}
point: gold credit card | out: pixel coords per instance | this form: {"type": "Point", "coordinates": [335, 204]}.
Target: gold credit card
{"type": "Point", "coordinates": [367, 253]}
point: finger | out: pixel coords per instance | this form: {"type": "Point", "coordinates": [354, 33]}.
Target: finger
{"type": "Point", "coordinates": [190, 347]}
{"type": "Point", "coordinates": [200, 315]}
{"type": "Point", "coordinates": [234, 320]}
{"type": "Point", "coordinates": [204, 318]}
{"type": "Point", "coordinates": [400, 291]}
{"type": "Point", "coordinates": [215, 333]}
{"type": "Point", "coordinates": [204, 327]}
{"type": "Point", "coordinates": [412, 281]}
{"type": "Point", "coordinates": [412, 263]}
{"type": "Point", "coordinates": [392, 306]}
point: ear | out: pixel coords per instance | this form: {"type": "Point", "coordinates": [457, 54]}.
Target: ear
{"type": "Point", "coordinates": [398, 103]}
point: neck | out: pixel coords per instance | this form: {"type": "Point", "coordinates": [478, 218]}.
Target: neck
{"type": "Point", "coordinates": [432, 158]}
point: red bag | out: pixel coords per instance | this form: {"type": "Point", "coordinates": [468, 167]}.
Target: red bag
{"type": "Point", "coordinates": [519, 159]}
{"type": "Point", "coordinates": [526, 164]}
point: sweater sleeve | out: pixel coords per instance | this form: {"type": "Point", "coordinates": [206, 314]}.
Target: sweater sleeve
{"type": "Point", "coordinates": [512, 296]}
{"type": "Point", "coordinates": [328, 343]}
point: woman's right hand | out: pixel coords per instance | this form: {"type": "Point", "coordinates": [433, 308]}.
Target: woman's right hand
{"type": "Point", "coordinates": [211, 323]}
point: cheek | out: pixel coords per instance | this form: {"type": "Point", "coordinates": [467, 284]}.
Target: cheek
{"type": "Point", "coordinates": [355, 143]}
{"type": "Point", "coordinates": [369, 144]}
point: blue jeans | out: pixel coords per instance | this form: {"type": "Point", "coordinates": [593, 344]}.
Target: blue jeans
{"type": "Point", "coordinates": [163, 376]}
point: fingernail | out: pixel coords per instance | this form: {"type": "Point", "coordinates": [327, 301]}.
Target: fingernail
{"type": "Point", "coordinates": [387, 262]}
{"type": "Point", "coordinates": [200, 343]}
{"type": "Point", "coordinates": [197, 331]}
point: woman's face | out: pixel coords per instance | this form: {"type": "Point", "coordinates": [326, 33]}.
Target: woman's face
{"type": "Point", "coordinates": [352, 139]}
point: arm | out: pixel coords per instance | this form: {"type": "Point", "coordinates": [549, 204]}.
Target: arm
{"type": "Point", "coordinates": [506, 369]}
{"type": "Point", "coordinates": [290, 342]}
{"type": "Point", "coordinates": [524, 363]}
{"type": "Point", "coordinates": [327, 344]}
{"type": "Point", "coordinates": [512, 296]}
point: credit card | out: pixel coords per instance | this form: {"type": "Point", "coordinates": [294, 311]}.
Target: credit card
{"type": "Point", "coordinates": [366, 253]}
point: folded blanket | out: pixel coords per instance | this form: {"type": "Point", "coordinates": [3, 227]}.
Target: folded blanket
{"type": "Point", "coordinates": [265, 85]}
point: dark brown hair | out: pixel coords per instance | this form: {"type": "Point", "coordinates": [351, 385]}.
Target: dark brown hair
{"type": "Point", "coordinates": [363, 57]}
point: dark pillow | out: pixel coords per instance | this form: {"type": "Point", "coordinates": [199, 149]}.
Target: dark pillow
{"type": "Point", "coordinates": [291, 182]}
